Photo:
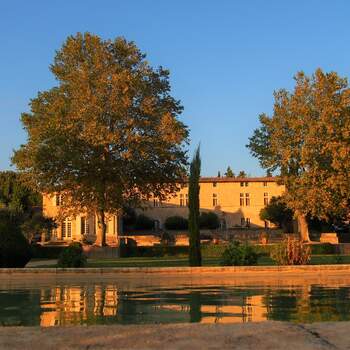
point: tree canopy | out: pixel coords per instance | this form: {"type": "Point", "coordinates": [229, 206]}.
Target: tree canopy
{"type": "Point", "coordinates": [229, 172]}
{"type": "Point", "coordinates": [108, 134]}
{"type": "Point", "coordinates": [242, 174]}
{"type": "Point", "coordinates": [278, 213]}
{"type": "Point", "coordinates": [307, 139]}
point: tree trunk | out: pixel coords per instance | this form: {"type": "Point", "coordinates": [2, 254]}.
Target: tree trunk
{"type": "Point", "coordinates": [101, 229]}
{"type": "Point", "coordinates": [303, 227]}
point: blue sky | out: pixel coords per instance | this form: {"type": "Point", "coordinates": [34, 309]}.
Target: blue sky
{"type": "Point", "coordinates": [225, 57]}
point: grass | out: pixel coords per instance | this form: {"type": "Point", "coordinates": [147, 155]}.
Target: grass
{"type": "Point", "coordinates": [174, 261]}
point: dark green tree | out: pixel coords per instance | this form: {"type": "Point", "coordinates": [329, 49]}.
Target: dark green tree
{"type": "Point", "coordinates": [278, 213]}
{"type": "Point", "coordinates": [195, 258]}
{"type": "Point", "coordinates": [229, 172]}
{"type": "Point", "coordinates": [242, 173]}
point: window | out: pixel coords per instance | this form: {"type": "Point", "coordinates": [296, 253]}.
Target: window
{"type": "Point", "coordinates": [247, 222]}
{"type": "Point", "coordinates": [244, 184]}
{"type": "Point", "coordinates": [241, 199]}
{"type": "Point", "coordinates": [66, 229]}
{"type": "Point", "coordinates": [82, 225]}
{"type": "Point", "coordinates": [265, 183]}
{"type": "Point", "coordinates": [214, 184]}
{"type": "Point", "coordinates": [266, 198]}
{"type": "Point", "coordinates": [242, 221]}
{"type": "Point", "coordinates": [58, 200]}
{"type": "Point", "coordinates": [182, 202]}
{"type": "Point", "coordinates": [247, 200]}
{"type": "Point", "coordinates": [215, 200]}
{"type": "Point", "coordinates": [186, 200]}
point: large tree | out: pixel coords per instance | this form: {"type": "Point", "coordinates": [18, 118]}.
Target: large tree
{"type": "Point", "coordinates": [108, 134]}
{"type": "Point", "coordinates": [307, 139]}
{"type": "Point", "coordinates": [195, 258]}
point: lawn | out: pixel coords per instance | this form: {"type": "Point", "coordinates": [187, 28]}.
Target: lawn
{"type": "Point", "coordinates": [169, 261]}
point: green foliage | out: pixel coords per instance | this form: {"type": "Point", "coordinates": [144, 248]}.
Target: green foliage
{"type": "Point", "coordinates": [209, 220]}
{"type": "Point", "coordinates": [72, 256]}
{"type": "Point", "coordinates": [323, 248]}
{"type": "Point", "coordinates": [242, 174]}
{"type": "Point", "coordinates": [15, 195]}
{"type": "Point", "coordinates": [291, 252]}
{"type": "Point", "coordinates": [237, 254]}
{"type": "Point", "coordinates": [129, 217]}
{"type": "Point", "coordinates": [143, 222]}
{"type": "Point", "coordinates": [176, 223]}
{"type": "Point", "coordinates": [278, 213]}
{"type": "Point", "coordinates": [14, 248]}
{"type": "Point", "coordinates": [210, 250]}
{"type": "Point", "coordinates": [195, 258]}
{"type": "Point", "coordinates": [108, 135]}
{"type": "Point", "coordinates": [128, 248]}
{"type": "Point", "coordinates": [36, 225]}
{"type": "Point", "coordinates": [167, 239]}
{"type": "Point", "coordinates": [304, 140]}
{"type": "Point", "coordinates": [229, 172]}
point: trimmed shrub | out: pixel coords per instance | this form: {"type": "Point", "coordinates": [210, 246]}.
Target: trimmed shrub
{"type": "Point", "coordinates": [128, 248]}
{"type": "Point", "coordinates": [291, 251]}
{"type": "Point", "coordinates": [72, 256]}
{"type": "Point", "coordinates": [323, 248]}
{"type": "Point", "coordinates": [237, 254]}
{"type": "Point", "coordinates": [15, 250]}
{"type": "Point", "coordinates": [209, 221]}
{"type": "Point", "coordinates": [143, 222]}
{"type": "Point", "coordinates": [176, 223]}
{"type": "Point", "coordinates": [213, 250]}
{"type": "Point", "coordinates": [167, 239]}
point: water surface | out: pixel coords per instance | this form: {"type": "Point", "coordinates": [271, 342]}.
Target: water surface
{"type": "Point", "coordinates": [72, 303]}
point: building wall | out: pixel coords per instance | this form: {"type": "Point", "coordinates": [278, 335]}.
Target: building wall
{"type": "Point", "coordinates": [73, 228]}
{"type": "Point", "coordinates": [228, 200]}
{"type": "Point", "coordinates": [219, 195]}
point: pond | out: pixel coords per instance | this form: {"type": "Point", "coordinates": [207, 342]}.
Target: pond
{"type": "Point", "coordinates": [110, 302]}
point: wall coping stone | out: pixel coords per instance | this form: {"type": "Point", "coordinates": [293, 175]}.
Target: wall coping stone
{"type": "Point", "coordinates": [183, 270]}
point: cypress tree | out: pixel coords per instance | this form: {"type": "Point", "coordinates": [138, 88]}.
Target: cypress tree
{"type": "Point", "coordinates": [195, 258]}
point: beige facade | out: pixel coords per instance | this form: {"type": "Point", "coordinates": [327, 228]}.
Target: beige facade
{"type": "Point", "coordinates": [237, 201]}
{"type": "Point", "coordinates": [79, 227]}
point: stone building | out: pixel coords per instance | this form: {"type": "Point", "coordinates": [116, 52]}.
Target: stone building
{"type": "Point", "coordinates": [236, 201]}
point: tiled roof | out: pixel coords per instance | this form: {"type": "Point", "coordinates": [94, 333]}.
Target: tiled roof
{"type": "Point", "coordinates": [238, 179]}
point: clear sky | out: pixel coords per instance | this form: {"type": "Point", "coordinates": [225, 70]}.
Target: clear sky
{"type": "Point", "coordinates": [226, 58]}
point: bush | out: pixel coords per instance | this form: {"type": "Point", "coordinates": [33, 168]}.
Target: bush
{"type": "Point", "coordinates": [237, 254]}
{"type": "Point", "coordinates": [128, 248]}
{"type": "Point", "coordinates": [167, 239]}
{"type": "Point", "coordinates": [213, 250]}
{"type": "Point", "coordinates": [323, 248]}
{"type": "Point", "coordinates": [72, 256]}
{"type": "Point", "coordinates": [291, 251]}
{"type": "Point", "coordinates": [209, 221]}
{"type": "Point", "coordinates": [176, 223]}
{"type": "Point", "coordinates": [143, 222]}
{"type": "Point", "coordinates": [15, 250]}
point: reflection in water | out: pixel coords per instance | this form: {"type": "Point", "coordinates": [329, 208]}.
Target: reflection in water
{"type": "Point", "coordinates": [108, 304]}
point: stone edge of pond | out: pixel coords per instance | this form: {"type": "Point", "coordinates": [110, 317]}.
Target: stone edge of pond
{"type": "Point", "coordinates": [182, 270]}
